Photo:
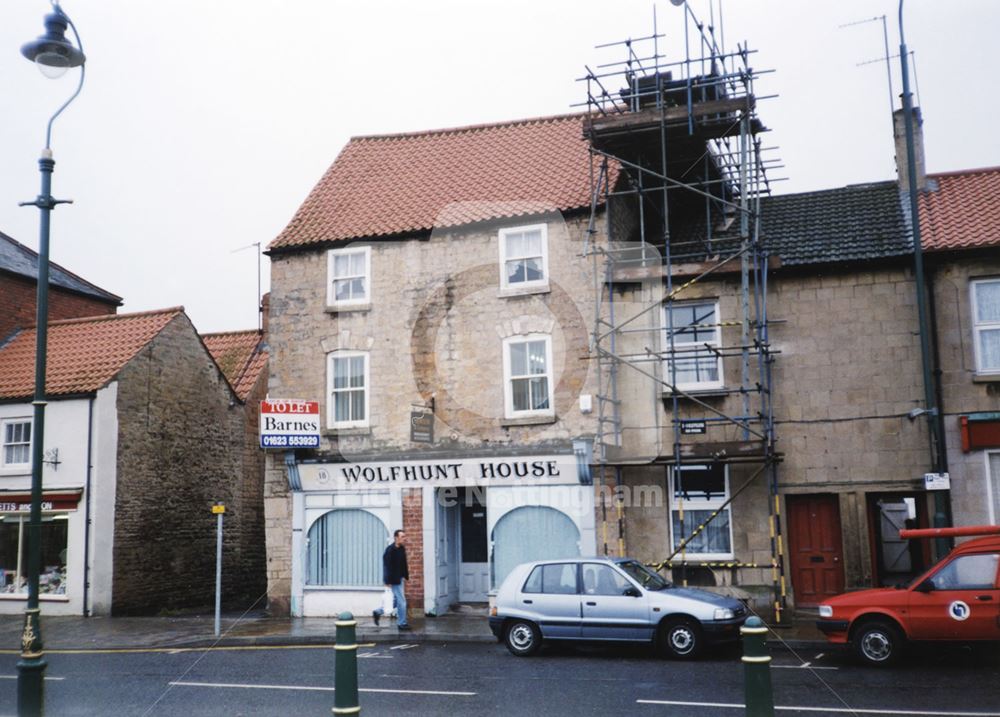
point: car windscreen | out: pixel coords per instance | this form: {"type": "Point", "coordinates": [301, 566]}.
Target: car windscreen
{"type": "Point", "coordinates": [643, 575]}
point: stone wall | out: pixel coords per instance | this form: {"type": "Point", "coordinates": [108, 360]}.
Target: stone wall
{"type": "Point", "coordinates": [181, 447]}
{"type": "Point", "coordinates": [17, 304]}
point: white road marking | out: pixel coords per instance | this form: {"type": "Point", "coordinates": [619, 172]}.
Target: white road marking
{"type": "Point", "coordinates": [14, 677]}
{"type": "Point", "coordinates": [819, 655]}
{"type": "Point", "coordinates": [803, 666]}
{"type": "Point", "coordinates": [375, 655]}
{"type": "Point", "coordinates": [842, 710]}
{"type": "Point", "coordinates": [403, 647]}
{"type": "Point", "coordinates": [320, 689]}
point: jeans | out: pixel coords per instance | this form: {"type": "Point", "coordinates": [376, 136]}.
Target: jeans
{"type": "Point", "coordinates": [399, 598]}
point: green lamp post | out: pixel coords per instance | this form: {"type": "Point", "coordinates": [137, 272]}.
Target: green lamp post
{"type": "Point", "coordinates": [54, 55]}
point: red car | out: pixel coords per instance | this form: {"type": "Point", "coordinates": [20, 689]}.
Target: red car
{"type": "Point", "coordinates": [956, 600]}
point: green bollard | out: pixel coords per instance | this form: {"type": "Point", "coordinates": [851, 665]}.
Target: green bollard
{"type": "Point", "coordinates": [345, 670]}
{"type": "Point", "coordinates": [757, 674]}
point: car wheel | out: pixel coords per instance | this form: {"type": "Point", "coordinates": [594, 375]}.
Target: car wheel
{"type": "Point", "coordinates": [522, 638]}
{"type": "Point", "coordinates": [877, 643]}
{"type": "Point", "coordinates": [680, 638]}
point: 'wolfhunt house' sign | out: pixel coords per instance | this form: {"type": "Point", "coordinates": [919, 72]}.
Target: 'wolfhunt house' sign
{"type": "Point", "coordinates": [492, 471]}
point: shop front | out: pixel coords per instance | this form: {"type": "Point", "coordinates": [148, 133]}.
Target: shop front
{"type": "Point", "coordinates": [469, 520]}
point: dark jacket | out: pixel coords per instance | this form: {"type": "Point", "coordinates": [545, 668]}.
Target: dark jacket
{"type": "Point", "coordinates": [394, 567]}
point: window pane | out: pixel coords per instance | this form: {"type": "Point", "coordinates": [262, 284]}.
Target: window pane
{"type": "Point", "coordinates": [342, 265]}
{"type": "Point", "coordinates": [358, 288]}
{"type": "Point", "coordinates": [342, 289]}
{"type": "Point", "coordinates": [357, 264]}
{"type": "Point", "coordinates": [689, 324]}
{"type": "Point", "coordinates": [534, 582]}
{"type": "Point", "coordinates": [515, 245]}
{"type": "Point", "coordinates": [969, 572]}
{"type": "Point", "coordinates": [341, 406]}
{"type": "Point", "coordinates": [357, 405]}
{"type": "Point", "coordinates": [9, 535]}
{"type": "Point", "coordinates": [345, 548]}
{"type": "Point", "coordinates": [520, 388]}
{"type": "Point", "coordinates": [516, 271]}
{"type": "Point", "coordinates": [603, 580]}
{"type": "Point", "coordinates": [559, 579]}
{"type": "Point", "coordinates": [532, 243]}
{"type": "Point", "coordinates": [539, 393]}
{"type": "Point", "coordinates": [988, 301]}
{"type": "Point", "coordinates": [989, 349]}
{"type": "Point", "coordinates": [533, 270]}
{"type": "Point", "coordinates": [52, 577]}
{"type": "Point", "coordinates": [357, 371]}
{"type": "Point", "coordinates": [701, 483]}
{"type": "Point", "coordinates": [714, 538]}
{"type": "Point", "coordinates": [519, 359]}
{"type": "Point", "coordinates": [536, 357]}
{"type": "Point", "coordinates": [340, 371]}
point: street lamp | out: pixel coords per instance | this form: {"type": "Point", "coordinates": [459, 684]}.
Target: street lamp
{"type": "Point", "coordinates": [54, 55]}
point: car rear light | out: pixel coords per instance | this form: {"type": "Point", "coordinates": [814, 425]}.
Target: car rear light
{"type": "Point", "coordinates": [825, 611]}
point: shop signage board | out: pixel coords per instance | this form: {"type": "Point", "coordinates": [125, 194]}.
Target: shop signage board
{"type": "Point", "coordinates": [421, 427]}
{"type": "Point", "coordinates": [534, 470]}
{"type": "Point", "coordinates": [289, 423]}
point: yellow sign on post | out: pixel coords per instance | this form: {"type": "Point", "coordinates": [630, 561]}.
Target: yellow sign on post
{"type": "Point", "coordinates": [218, 508]}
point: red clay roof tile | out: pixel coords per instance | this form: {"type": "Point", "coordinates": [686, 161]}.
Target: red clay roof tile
{"type": "Point", "coordinates": [83, 354]}
{"type": "Point", "coordinates": [397, 184]}
{"type": "Point", "coordinates": [963, 212]}
{"type": "Point", "coordinates": [240, 356]}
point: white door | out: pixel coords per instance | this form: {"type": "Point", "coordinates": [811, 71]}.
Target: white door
{"type": "Point", "coordinates": [446, 553]}
{"type": "Point", "coordinates": [475, 582]}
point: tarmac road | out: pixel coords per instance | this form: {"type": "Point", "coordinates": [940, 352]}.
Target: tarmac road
{"type": "Point", "coordinates": [483, 679]}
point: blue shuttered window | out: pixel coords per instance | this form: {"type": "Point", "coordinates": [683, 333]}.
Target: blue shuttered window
{"type": "Point", "coordinates": [529, 533]}
{"type": "Point", "coordinates": [345, 549]}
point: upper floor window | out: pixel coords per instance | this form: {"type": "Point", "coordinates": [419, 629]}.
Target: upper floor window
{"type": "Point", "coordinates": [524, 257]}
{"type": "Point", "coordinates": [698, 491]}
{"type": "Point", "coordinates": [349, 276]}
{"type": "Point", "coordinates": [691, 339]}
{"type": "Point", "coordinates": [347, 389]}
{"type": "Point", "coordinates": [16, 442]}
{"type": "Point", "coordinates": [527, 363]}
{"type": "Point", "coordinates": [986, 324]}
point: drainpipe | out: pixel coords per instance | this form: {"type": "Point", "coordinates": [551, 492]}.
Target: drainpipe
{"type": "Point", "coordinates": [941, 504]}
{"type": "Point", "coordinates": [86, 509]}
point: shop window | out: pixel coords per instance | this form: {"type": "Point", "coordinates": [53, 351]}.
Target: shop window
{"type": "Point", "coordinates": [691, 341]}
{"type": "Point", "coordinates": [697, 492]}
{"type": "Point", "coordinates": [16, 435]}
{"type": "Point", "coordinates": [527, 362]}
{"type": "Point", "coordinates": [986, 324]}
{"type": "Point", "coordinates": [344, 549]}
{"type": "Point", "coordinates": [529, 533]}
{"type": "Point", "coordinates": [524, 257]}
{"type": "Point", "coordinates": [347, 387]}
{"type": "Point", "coordinates": [349, 272]}
{"type": "Point", "coordinates": [14, 554]}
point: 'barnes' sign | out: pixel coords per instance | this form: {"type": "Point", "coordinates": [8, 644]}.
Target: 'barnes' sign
{"type": "Point", "coordinates": [289, 423]}
{"type": "Point", "coordinates": [493, 471]}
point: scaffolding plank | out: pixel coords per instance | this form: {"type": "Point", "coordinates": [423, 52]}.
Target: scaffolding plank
{"type": "Point", "coordinates": [651, 117]}
{"type": "Point", "coordinates": [638, 273]}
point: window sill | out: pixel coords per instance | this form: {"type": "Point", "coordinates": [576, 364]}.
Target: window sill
{"type": "Point", "coordinates": [23, 597]}
{"type": "Point", "coordinates": [986, 378]}
{"type": "Point", "coordinates": [514, 292]}
{"type": "Point", "coordinates": [347, 308]}
{"type": "Point", "coordinates": [344, 588]}
{"type": "Point", "coordinates": [709, 392]}
{"type": "Point", "coordinates": [528, 421]}
{"type": "Point", "coordinates": [353, 431]}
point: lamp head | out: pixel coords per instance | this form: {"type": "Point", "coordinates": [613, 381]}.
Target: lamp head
{"type": "Point", "coordinates": [52, 52]}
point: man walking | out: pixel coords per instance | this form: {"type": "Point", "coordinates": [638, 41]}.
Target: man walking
{"type": "Point", "coordinates": [394, 571]}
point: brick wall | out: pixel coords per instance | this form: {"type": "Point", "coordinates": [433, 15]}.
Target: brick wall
{"type": "Point", "coordinates": [181, 448]}
{"type": "Point", "coordinates": [17, 304]}
{"type": "Point", "coordinates": [413, 510]}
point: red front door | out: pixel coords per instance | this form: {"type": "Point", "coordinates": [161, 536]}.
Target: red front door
{"type": "Point", "coordinates": [815, 547]}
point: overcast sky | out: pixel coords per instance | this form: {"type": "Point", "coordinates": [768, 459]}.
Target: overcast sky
{"type": "Point", "coordinates": [203, 124]}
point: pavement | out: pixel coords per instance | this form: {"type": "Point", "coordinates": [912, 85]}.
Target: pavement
{"type": "Point", "coordinates": [260, 629]}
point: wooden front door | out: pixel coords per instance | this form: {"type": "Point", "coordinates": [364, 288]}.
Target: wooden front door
{"type": "Point", "coordinates": [815, 548]}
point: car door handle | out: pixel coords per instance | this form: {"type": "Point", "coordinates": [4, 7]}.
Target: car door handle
{"type": "Point", "coordinates": [984, 598]}
{"type": "Point", "coordinates": [592, 604]}
{"type": "Point", "coordinates": [528, 602]}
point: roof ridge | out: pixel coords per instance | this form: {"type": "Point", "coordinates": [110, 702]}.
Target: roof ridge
{"type": "Point", "coordinates": [470, 128]}
{"type": "Point", "coordinates": [860, 185]}
{"type": "Point", "coordinates": [113, 317]}
{"type": "Point", "coordinates": [960, 172]}
{"type": "Point", "coordinates": [230, 333]}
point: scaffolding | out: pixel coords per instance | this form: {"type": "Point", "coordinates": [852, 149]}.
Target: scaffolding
{"type": "Point", "coordinates": [678, 165]}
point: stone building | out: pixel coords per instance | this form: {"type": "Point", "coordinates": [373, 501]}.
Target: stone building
{"type": "Point", "coordinates": [446, 279]}
{"type": "Point", "coordinates": [70, 296]}
{"type": "Point", "coordinates": [143, 434]}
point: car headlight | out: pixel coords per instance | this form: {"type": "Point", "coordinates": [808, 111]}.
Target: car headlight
{"type": "Point", "coordinates": [825, 611]}
{"type": "Point", "coordinates": [723, 613]}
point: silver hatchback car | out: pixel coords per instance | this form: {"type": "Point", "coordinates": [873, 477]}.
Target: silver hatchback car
{"type": "Point", "coordinates": [609, 599]}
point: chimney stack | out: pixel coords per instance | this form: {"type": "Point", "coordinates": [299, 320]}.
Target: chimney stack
{"type": "Point", "coordinates": [899, 135]}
